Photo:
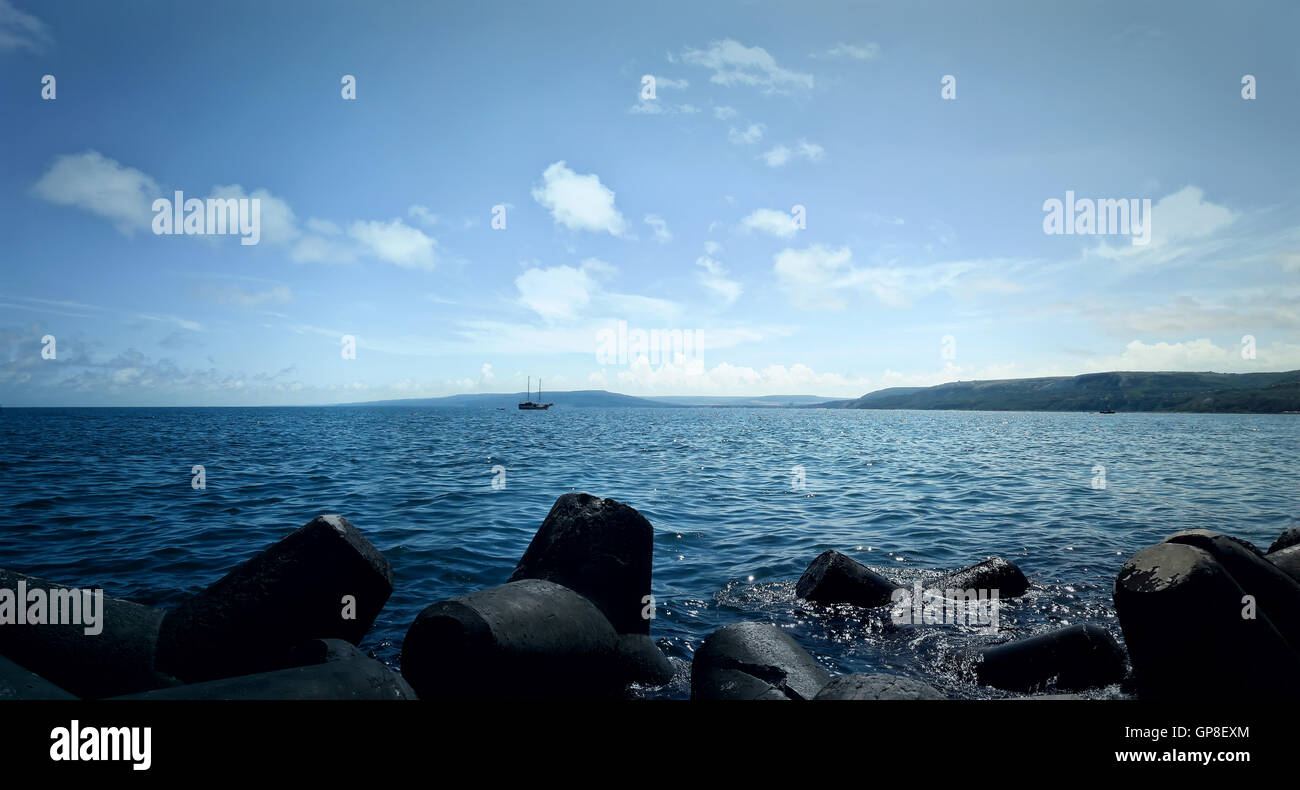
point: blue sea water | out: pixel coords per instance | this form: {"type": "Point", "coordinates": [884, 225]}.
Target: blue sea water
{"type": "Point", "coordinates": [103, 497]}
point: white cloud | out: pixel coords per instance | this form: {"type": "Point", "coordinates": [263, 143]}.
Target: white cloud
{"type": "Point", "coordinates": [565, 293]}
{"type": "Point", "coordinates": [95, 183]}
{"type": "Point", "coordinates": [724, 113]}
{"type": "Point", "coordinates": [277, 294]}
{"type": "Point", "coordinates": [810, 151]}
{"type": "Point", "coordinates": [810, 276]}
{"type": "Point", "coordinates": [183, 323]}
{"type": "Point", "coordinates": [396, 243]}
{"type": "Point", "coordinates": [323, 249]}
{"type": "Point", "coordinates": [636, 305]}
{"type": "Point", "coordinates": [752, 134]}
{"type": "Point", "coordinates": [1200, 354]}
{"type": "Point", "coordinates": [734, 63]}
{"type": "Point", "coordinates": [714, 277]}
{"type": "Point", "coordinates": [19, 30]}
{"type": "Point", "coordinates": [865, 51]}
{"type": "Point", "coordinates": [278, 223]}
{"type": "Point", "coordinates": [1176, 220]}
{"type": "Point", "coordinates": [555, 293]}
{"type": "Point", "coordinates": [579, 202]}
{"type": "Point", "coordinates": [780, 155]}
{"type": "Point", "coordinates": [662, 234]}
{"type": "Point", "coordinates": [657, 107]}
{"type": "Point", "coordinates": [772, 222]}
{"type": "Point", "coordinates": [775, 156]}
{"type": "Point", "coordinates": [821, 278]}
{"type": "Point", "coordinates": [423, 215]}
{"type": "Point", "coordinates": [694, 377]}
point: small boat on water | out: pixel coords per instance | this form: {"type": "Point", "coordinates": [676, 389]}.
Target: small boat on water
{"type": "Point", "coordinates": [1106, 411]}
{"type": "Point", "coordinates": [534, 405]}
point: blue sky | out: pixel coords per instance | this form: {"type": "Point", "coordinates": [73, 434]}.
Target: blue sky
{"type": "Point", "coordinates": [924, 215]}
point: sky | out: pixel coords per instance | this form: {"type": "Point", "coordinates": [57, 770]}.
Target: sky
{"type": "Point", "coordinates": [823, 198]}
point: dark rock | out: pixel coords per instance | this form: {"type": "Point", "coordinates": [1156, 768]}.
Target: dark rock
{"type": "Point", "coordinates": [1199, 537]}
{"type": "Point", "coordinates": [865, 686]}
{"type": "Point", "coordinates": [994, 573]}
{"type": "Point", "coordinates": [291, 592]}
{"type": "Point", "coordinates": [18, 683]}
{"type": "Point", "coordinates": [347, 679]}
{"type": "Point", "coordinates": [323, 651]}
{"type": "Point", "coordinates": [1287, 560]}
{"type": "Point", "coordinates": [836, 578]}
{"type": "Point", "coordinates": [1052, 696]}
{"type": "Point", "coordinates": [754, 661]}
{"type": "Point", "coordinates": [528, 639]}
{"type": "Point", "coordinates": [599, 548]}
{"type": "Point", "coordinates": [1073, 658]}
{"type": "Point", "coordinates": [1289, 537]}
{"type": "Point", "coordinates": [118, 660]}
{"type": "Point", "coordinates": [1181, 613]}
{"type": "Point", "coordinates": [642, 660]}
{"type": "Point", "coordinates": [1275, 592]}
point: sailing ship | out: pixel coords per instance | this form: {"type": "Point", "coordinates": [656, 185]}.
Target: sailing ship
{"type": "Point", "coordinates": [534, 405]}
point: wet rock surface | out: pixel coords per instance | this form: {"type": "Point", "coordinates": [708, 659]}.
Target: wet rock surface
{"type": "Point", "coordinates": [528, 639]}
{"type": "Point", "coordinates": [754, 661]}
{"type": "Point", "coordinates": [1185, 626]}
{"type": "Point", "coordinates": [836, 578]}
{"type": "Point", "coordinates": [1069, 659]}
{"type": "Point", "coordinates": [994, 573]}
{"type": "Point", "coordinates": [348, 679]}
{"type": "Point", "coordinates": [295, 590]}
{"type": "Point", "coordinates": [117, 660]}
{"type": "Point", "coordinates": [599, 548]}
{"type": "Point", "coordinates": [868, 687]}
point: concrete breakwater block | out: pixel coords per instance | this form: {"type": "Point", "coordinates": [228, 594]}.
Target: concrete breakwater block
{"type": "Point", "coordinates": [324, 580]}
{"type": "Point", "coordinates": [117, 660]}
{"type": "Point", "coordinates": [1275, 592]}
{"type": "Point", "coordinates": [1289, 537]}
{"type": "Point", "coordinates": [1072, 659]}
{"type": "Point", "coordinates": [321, 651]}
{"type": "Point", "coordinates": [748, 661]}
{"type": "Point", "coordinates": [603, 550]}
{"type": "Point", "coordinates": [1183, 619]}
{"type": "Point", "coordinates": [599, 548]}
{"type": "Point", "coordinates": [836, 578]}
{"type": "Point", "coordinates": [18, 683]}
{"type": "Point", "coordinates": [1287, 560]}
{"type": "Point", "coordinates": [348, 679]}
{"type": "Point", "coordinates": [528, 639]}
{"type": "Point", "coordinates": [641, 661]}
{"type": "Point", "coordinates": [868, 686]}
{"type": "Point", "coordinates": [994, 573]}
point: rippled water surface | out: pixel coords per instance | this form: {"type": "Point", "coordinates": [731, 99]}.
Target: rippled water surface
{"type": "Point", "coordinates": [102, 497]}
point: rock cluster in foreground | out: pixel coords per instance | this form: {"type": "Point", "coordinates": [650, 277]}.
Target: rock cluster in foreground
{"type": "Point", "coordinates": [1202, 614]}
{"type": "Point", "coordinates": [282, 625]}
{"type": "Point", "coordinates": [1213, 616]}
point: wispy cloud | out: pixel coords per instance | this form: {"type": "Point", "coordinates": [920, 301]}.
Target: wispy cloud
{"type": "Point", "coordinates": [865, 51]}
{"type": "Point", "coordinates": [19, 30]}
{"type": "Point", "coordinates": [733, 63]}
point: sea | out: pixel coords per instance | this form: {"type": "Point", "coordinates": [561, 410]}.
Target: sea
{"type": "Point", "coordinates": [741, 500]}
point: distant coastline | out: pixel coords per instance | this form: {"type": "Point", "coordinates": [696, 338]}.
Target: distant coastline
{"type": "Point", "coordinates": [1118, 391]}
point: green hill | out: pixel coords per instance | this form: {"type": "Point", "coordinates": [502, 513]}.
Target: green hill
{"type": "Point", "coordinates": [1120, 391]}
